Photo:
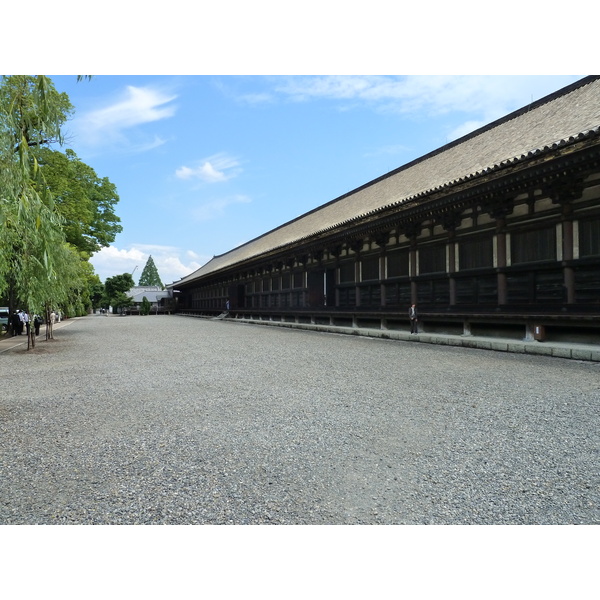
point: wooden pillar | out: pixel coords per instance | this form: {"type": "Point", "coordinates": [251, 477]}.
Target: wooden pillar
{"type": "Point", "coordinates": [356, 246]}
{"type": "Point", "coordinates": [336, 251]}
{"type": "Point", "coordinates": [413, 271]}
{"type": "Point", "coordinates": [563, 192]}
{"type": "Point", "coordinates": [499, 207]}
{"type": "Point", "coordinates": [568, 271]}
{"type": "Point", "coordinates": [413, 230]}
{"type": "Point", "coordinates": [450, 221]}
{"type": "Point", "coordinates": [382, 240]}
{"type": "Point", "coordinates": [501, 261]}
{"type": "Point", "coordinates": [452, 266]}
{"type": "Point", "coordinates": [382, 277]}
{"type": "Point", "coordinates": [357, 280]}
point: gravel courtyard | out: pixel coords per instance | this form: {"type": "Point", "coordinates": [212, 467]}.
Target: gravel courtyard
{"type": "Point", "coordinates": [174, 420]}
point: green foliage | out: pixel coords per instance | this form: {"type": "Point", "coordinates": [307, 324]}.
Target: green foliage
{"type": "Point", "coordinates": [96, 291]}
{"type": "Point", "coordinates": [55, 212]}
{"type": "Point", "coordinates": [32, 245]}
{"type": "Point", "coordinates": [85, 201]}
{"type": "Point", "coordinates": [145, 306]}
{"type": "Point", "coordinates": [150, 275]}
{"type": "Point", "coordinates": [33, 112]}
{"type": "Point", "coordinates": [115, 288]}
{"type": "Point", "coordinates": [120, 300]}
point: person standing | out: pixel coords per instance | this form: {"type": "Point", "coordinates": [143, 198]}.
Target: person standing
{"type": "Point", "coordinates": [414, 318]}
{"type": "Point", "coordinates": [25, 316]}
{"type": "Point", "coordinates": [37, 321]}
{"type": "Point", "coordinates": [21, 322]}
{"type": "Point", "coordinates": [16, 323]}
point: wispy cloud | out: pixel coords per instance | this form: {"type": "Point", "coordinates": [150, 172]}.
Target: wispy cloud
{"type": "Point", "coordinates": [216, 168]}
{"type": "Point", "coordinates": [486, 97]}
{"type": "Point", "coordinates": [217, 208]}
{"type": "Point", "coordinates": [118, 123]}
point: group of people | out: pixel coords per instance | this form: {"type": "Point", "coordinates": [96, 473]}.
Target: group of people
{"type": "Point", "coordinates": [21, 322]}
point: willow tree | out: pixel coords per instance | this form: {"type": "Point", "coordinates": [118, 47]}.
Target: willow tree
{"type": "Point", "coordinates": [34, 259]}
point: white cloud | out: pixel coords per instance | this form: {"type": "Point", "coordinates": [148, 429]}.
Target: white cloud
{"type": "Point", "coordinates": [488, 97]}
{"type": "Point", "coordinates": [193, 255]}
{"type": "Point", "coordinates": [137, 106]}
{"type": "Point", "coordinates": [171, 262]}
{"type": "Point", "coordinates": [216, 208]}
{"type": "Point", "coordinates": [417, 92]}
{"type": "Point", "coordinates": [334, 87]}
{"type": "Point", "coordinates": [216, 168]}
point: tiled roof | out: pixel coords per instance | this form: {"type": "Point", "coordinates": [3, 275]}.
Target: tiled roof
{"type": "Point", "coordinates": [562, 117]}
{"type": "Point", "coordinates": [152, 293]}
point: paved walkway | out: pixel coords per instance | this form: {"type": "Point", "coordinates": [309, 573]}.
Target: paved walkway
{"type": "Point", "coordinates": [8, 342]}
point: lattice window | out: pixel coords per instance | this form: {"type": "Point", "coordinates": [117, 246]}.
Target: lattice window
{"type": "Point", "coordinates": [589, 238]}
{"type": "Point", "coordinates": [397, 263]}
{"type": "Point", "coordinates": [370, 268]}
{"type": "Point", "coordinates": [299, 279]}
{"type": "Point", "coordinates": [533, 246]}
{"type": "Point", "coordinates": [475, 253]}
{"type": "Point", "coordinates": [432, 259]}
{"type": "Point", "coordinates": [347, 272]}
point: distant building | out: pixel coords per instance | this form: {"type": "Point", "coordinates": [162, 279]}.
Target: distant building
{"type": "Point", "coordinates": [497, 233]}
{"type": "Point", "coordinates": [156, 295]}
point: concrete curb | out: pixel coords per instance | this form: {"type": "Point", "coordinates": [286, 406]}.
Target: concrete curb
{"type": "Point", "coordinates": [548, 348]}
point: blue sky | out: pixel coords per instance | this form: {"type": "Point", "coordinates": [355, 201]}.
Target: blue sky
{"type": "Point", "coordinates": [205, 163]}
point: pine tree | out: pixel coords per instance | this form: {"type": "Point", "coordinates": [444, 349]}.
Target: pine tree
{"type": "Point", "coordinates": [150, 275]}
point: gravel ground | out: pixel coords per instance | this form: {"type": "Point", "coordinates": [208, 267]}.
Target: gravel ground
{"type": "Point", "coordinates": [173, 420]}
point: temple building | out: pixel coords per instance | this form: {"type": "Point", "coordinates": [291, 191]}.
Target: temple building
{"type": "Point", "coordinates": [496, 233]}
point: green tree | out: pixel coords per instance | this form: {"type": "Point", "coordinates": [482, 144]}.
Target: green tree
{"type": "Point", "coordinates": [145, 307]}
{"type": "Point", "coordinates": [85, 201]}
{"type": "Point", "coordinates": [150, 275]}
{"type": "Point", "coordinates": [55, 212]}
{"type": "Point", "coordinates": [121, 300]}
{"type": "Point", "coordinates": [34, 112]}
{"type": "Point", "coordinates": [96, 291]}
{"type": "Point", "coordinates": [115, 290]}
{"type": "Point", "coordinates": [33, 256]}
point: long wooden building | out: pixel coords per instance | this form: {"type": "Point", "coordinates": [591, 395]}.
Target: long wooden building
{"type": "Point", "coordinates": [496, 233]}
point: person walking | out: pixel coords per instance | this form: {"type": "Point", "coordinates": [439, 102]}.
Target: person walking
{"type": "Point", "coordinates": [414, 318]}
